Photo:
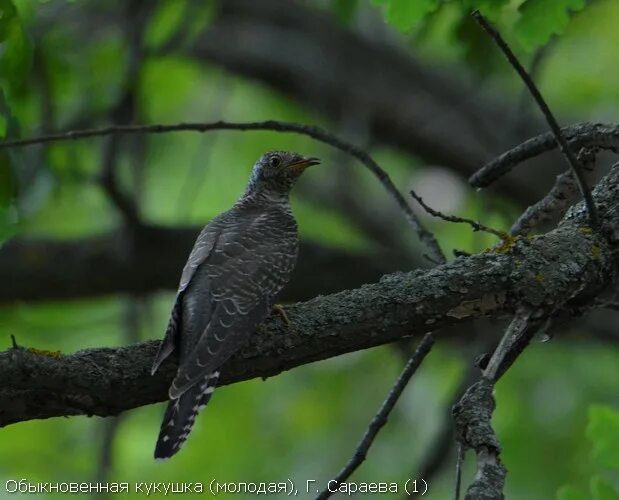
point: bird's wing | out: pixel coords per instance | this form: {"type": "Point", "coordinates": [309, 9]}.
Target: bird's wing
{"type": "Point", "coordinates": [201, 249]}
{"type": "Point", "coordinates": [248, 265]}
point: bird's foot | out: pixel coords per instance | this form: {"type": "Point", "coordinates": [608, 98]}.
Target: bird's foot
{"type": "Point", "coordinates": [279, 309]}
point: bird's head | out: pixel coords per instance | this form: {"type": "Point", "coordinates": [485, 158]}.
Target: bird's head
{"type": "Point", "coordinates": [277, 171]}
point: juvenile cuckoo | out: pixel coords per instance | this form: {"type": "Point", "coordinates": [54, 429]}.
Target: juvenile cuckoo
{"type": "Point", "coordinates": [238, 265]}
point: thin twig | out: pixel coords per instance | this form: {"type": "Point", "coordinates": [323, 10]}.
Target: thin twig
{"type": "Point", "coordinates": [552, 122]}
{"type": "Point", "coordinates": [124, 111]}
{"type": "Point", "coordinates": [579, 135]}
{"type": "Point", "coordinates": [516, 328]}
{"type": "Point", "coordinates": [314, 132]}
{"type": "Point", "coordinates": [522, 110]}
{"type": "Point", "coordinates": [606, 304]}
{"type": "Point", "coordinates": [381, 417]}
{"type": "Point", "coordinates": [459, 462]}
{"type": "Point", "coordinates": [477, 226]}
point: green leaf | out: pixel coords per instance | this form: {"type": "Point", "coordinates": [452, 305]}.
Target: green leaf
{"type": "Point", "coordinates": [16, 48]}
{"type": "Point", "coordinates": [180, 20]}
{"type": "Point", "coordinates": [406, 14]}
{"type": "Point", "coordinates": [570, 493]}
{"type": "Point", "coordinates": [602, 489]}
{"type": "Point", "coordinates": [8, 189]}
{"type": "Point", "coordinates": [540, 19]}
{"type": "Point", "coordinates": [603, 432]}
{"type": "Point", "coordinates": [345, 10]}
{"type": "Point", "coordinates": [8, 12]}
{"type": "Point", "coordinates": [165, 22]}
{"type": "Point", "coordinates": [489, 8]}
{"type": "Point", "coordinates": [9, 183]}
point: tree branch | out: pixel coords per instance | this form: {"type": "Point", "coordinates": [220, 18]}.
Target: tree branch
{"type": "Point", "coordinates": [380, 419]}
{"type": "Point", "coordinates": [321, 135]}
{"type": "Point", "coordinates": [42, 269]}
{"type": "Point", "coordinates": [579, 135]}
{"type": "Point", "coordinates": [476, 225]}
{"type": "Point", "coordinates": [570, 264]}
{"type": "Point", "coordinates": [558, 199]}
{"type": "Point", "coordinates": [550, 119]}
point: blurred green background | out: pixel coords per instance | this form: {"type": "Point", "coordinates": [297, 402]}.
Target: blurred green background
{"type": "Point", "coordinates": [81, 64]}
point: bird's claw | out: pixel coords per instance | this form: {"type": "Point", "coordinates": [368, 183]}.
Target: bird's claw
{"type": "Point", "coordinates": [279, 309]}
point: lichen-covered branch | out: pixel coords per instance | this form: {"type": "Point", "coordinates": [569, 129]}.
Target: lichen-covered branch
{"type": "Point", "coordinates": [567, 266]}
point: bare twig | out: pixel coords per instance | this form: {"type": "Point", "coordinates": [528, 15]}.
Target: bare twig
{"type": "Point", "coordinates": [124, 111]}
{"type": "Point", "coordinates": [459, 462]}
{"type": "Point", "coordinates": [477, 226]}
{"type": "Point", "coordinates": [515, 330]}
{"type": "Point", "coordinates": [108, 429]}
{"type": "Point", "coordinates": [579, 135]}
{"type": "Point", "coordinates": [314, 132]}
{"type": "Point", "coordinates": [110, 426]}
{"type": "Point", "coordinates": [522, 111]}
{"type": "Point", "coordinates": [381, 417]}
{"type": "Point", "coordinates": [606, 304]}
{"type": "Point", "coordinates": [552, 122]}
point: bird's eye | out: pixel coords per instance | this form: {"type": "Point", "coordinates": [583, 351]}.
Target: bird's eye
{"type": "Point", "coordinates": [275, 161]}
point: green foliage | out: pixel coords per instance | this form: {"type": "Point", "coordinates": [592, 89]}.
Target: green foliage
{"type": "Point", "coordinates": [536, 22]}
{"type": "Point", "coordinates": [8, 177]}
{"type": "Point", "coordinates": [344, 10]}
{"type": "Point", "coordinates": [492, 9]}
{"type": "Point", "coordinates": [16, 59]}
{"type": "Point", "coordinates": [540, 19]}
{"type": "Point", "coordinates": [404, 15]}
{"type": "Point", "coordinates": [177, 21]}
{"type": "Point", "coordinates": [599, 489]}
{"type": "Point", "coordinates": [603, 433]}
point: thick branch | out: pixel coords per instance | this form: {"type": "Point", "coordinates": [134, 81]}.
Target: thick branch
{"type": "Point", "coordinates": [150, 259]}
{"type": "Point", "coordinates": [571, 263]}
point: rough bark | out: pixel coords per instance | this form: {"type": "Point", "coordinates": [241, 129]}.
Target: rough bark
{"type": "Point", "coordinates": [566, 267]}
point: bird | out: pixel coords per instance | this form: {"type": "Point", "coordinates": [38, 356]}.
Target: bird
{"type": "Point", "coordinates": [239, 263]}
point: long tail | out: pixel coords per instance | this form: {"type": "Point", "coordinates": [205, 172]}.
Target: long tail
{"type": "Point", "coordinates": [181, 414]}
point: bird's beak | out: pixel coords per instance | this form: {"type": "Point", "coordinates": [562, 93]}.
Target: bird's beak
{"type": "Point", "coordinates": [302, 164]}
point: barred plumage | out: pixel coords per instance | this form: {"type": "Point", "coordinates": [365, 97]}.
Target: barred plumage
{"type": "Point", "coordinates": [239, 263]}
